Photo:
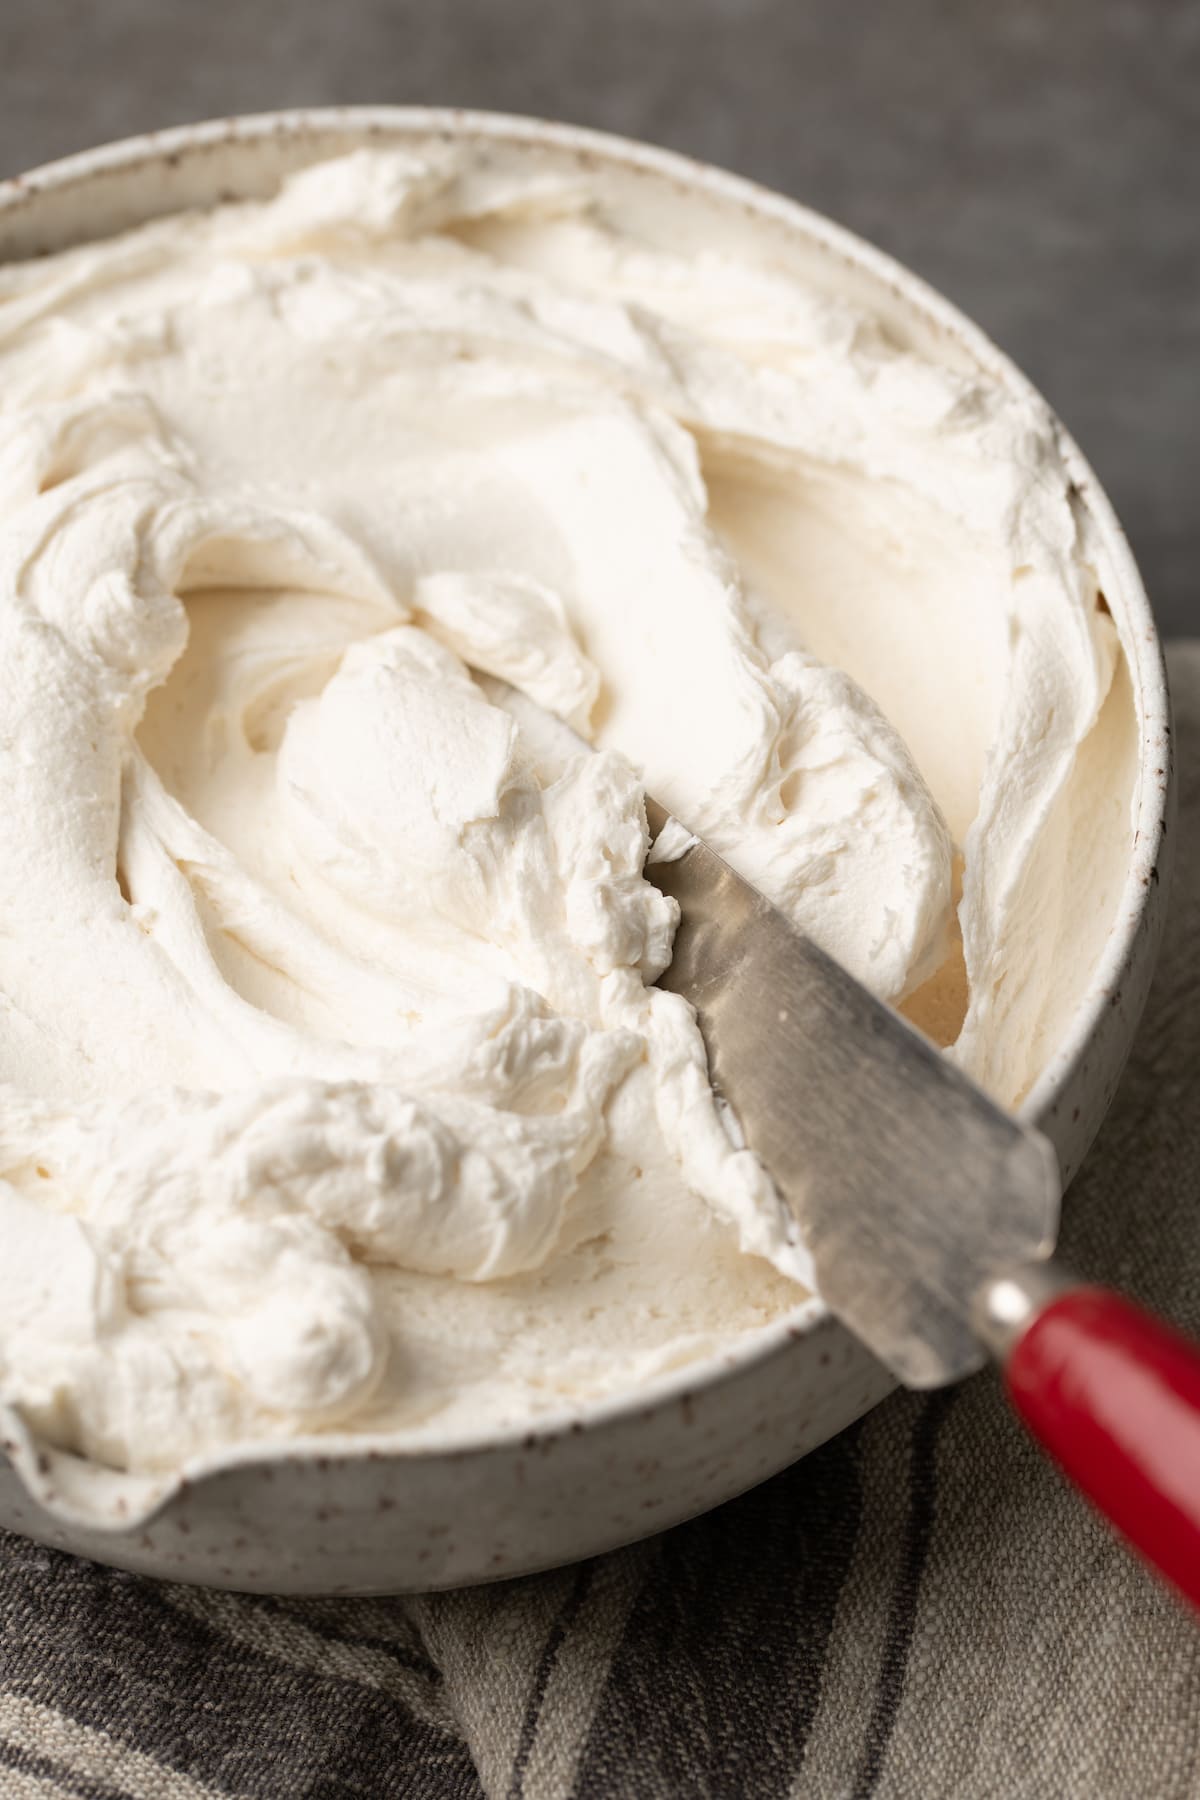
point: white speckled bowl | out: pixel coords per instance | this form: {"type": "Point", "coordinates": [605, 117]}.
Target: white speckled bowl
{"type": "Point", "coordinates": [350, 1516]}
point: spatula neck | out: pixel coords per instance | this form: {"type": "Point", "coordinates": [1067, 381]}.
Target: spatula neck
{"type": "Point", "coordinates": [1006, 1306]}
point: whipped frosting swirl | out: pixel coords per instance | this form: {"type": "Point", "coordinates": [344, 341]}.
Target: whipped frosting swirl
{"type": "Point", "coordinates": [311, 966]}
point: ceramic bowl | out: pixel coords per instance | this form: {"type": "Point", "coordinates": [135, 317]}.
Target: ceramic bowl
{"type": "Point", "coordinates": [348, 1515]}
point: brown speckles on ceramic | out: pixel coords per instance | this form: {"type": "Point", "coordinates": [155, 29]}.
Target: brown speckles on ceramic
{"type": "Point", "coordinates": [354, 1517]}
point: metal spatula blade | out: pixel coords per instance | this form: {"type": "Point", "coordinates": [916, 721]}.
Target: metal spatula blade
{"type": "Point", "coordinates": [911, 1188]}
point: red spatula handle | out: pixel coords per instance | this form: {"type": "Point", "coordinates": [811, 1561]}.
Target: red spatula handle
{"type": "Point", "coordinates": [1114, 1396]}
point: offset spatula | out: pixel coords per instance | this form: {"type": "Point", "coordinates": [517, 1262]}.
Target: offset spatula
{"type": "Point", "coordinates": [930, 1212]}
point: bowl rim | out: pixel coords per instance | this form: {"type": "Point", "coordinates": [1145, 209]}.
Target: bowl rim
{"type": "Point", "coordinates": [1140, 643]}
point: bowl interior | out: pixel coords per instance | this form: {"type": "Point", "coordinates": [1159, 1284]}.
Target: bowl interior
{"type": "Point", "coordinates": [102, 192]}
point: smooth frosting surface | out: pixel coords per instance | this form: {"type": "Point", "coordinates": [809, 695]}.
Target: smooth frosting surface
{"type": "Point", "coordinates": [335, 1088]}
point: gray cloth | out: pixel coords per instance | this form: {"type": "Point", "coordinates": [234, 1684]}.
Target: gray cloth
{"type": "Point", "coordinates": [919, 1609]}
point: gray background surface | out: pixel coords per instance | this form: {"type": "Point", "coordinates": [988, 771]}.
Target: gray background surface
{"type": "Point", "coordinates": [1038, 160]}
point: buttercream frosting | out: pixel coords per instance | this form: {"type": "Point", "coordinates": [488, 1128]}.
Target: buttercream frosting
{"type": "Point", "coordinates": [333, 1078]}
